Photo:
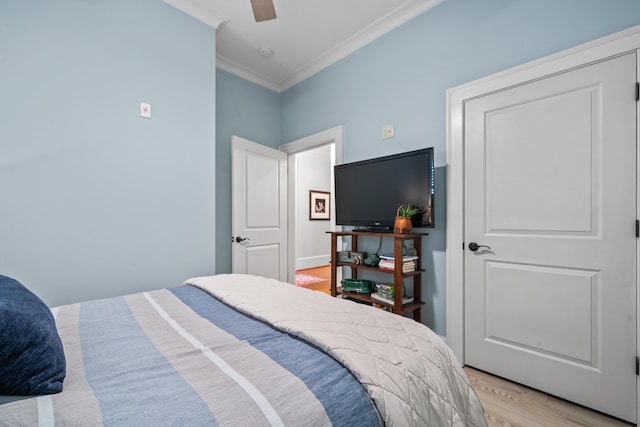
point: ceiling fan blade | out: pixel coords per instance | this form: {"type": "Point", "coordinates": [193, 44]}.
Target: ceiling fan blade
{"type": "Point", "coordinates": [263, 10]}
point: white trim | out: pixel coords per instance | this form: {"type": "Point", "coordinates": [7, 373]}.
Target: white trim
{"type": "Point", "coordinates": [392, 20]}
{"type": "Point", "coordinates": [638, 245]}
{"type": "Point", "coordinates": [312, 261]}
{"type": "Point", "coordinates": [597, 50]}
{"type": "Point", "coordinates": [196, 10]}
{"type": "Point", "coordinates": [246, 73]}
{"type": "Point", "coordinates": [333, 135]}
{"type": "Point", "coordinates": [317, 139]}
{"type": "Point", "coordinates": [373, 31]}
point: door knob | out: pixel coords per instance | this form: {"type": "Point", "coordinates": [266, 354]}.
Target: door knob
{"type": "Point", "coordinates": [239, 239]}
{"type": "Point", "coordinates": [473, 246]}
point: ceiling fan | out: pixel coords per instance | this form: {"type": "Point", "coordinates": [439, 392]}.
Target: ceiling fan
{"type": "Point", "coordinates": [263, 10]}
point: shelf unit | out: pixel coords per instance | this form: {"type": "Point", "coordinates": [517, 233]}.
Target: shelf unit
{"type": "Point", "coordinates": [414, 307]}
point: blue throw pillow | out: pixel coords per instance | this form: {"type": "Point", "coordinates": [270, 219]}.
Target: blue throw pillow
{"type": "Point", "coordinates": [31, 355]}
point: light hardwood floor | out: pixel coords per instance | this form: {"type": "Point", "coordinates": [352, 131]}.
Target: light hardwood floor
{"type": "Point", "coordinates": [324, 272]}
{"type": "Point", "coordinates": [510, 404]}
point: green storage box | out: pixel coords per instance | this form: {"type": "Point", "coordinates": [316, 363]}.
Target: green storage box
{"type": "Point", "coordinates": [361, 286]}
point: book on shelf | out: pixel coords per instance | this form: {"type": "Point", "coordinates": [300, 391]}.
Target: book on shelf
{"type": "Point", "coordinates": [405, 299]}
{"type": "Point", "coordinates": [392, 262]}
{"type": "Point", "coordinates": [405, 258]}
{"type": "Point", "coordinates": [390, 265]}
{"type": "Point", "coordinates": [404, 270]}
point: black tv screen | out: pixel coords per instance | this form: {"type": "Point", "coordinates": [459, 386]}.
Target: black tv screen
{"type": "Point", "coordinates": [368, 193]}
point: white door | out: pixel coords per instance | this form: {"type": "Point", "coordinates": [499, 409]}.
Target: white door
{"type": "Point", "coordinates": [550, 188]}
{"type": "Point", "coordinates": [259, 210]}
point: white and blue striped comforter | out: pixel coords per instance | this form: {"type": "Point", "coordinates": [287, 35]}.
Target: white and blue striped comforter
{"type": "Point", "coordinates": [408, 371]}
{"type": "Point", "coordinates": [180, 357]}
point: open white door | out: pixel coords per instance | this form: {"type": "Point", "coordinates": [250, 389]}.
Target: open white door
{"type": "Point", "coordinates": [550, 189]}
{"type": "Point", "coordinates": [259, 210]}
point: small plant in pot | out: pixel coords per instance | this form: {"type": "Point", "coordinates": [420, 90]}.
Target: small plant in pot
{"type": "Point", "coordinates": [402, 224]}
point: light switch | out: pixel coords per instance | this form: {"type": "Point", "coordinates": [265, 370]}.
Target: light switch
{"type": "Point", "coordinates": [145, 110]}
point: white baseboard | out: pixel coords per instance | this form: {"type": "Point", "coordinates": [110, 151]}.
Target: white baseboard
{"type": "Point", "coordinates": [310, 262]}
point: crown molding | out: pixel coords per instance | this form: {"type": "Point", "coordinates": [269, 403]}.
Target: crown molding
{"type": "Point", "coordinates": [246, 73]}
{"type": "Point", "coordinates": [196, 10]}
{"type": "Point", "coordinates": [385, 24]}
{"type": "Point", "coordinates": [375, 30]}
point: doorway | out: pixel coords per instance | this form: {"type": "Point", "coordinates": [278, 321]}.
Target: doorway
{"type": "Point", "coordinates": [326, 144]}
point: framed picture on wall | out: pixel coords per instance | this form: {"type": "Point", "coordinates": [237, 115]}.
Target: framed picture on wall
{"type": "Point", "coordinates": [319, 204]}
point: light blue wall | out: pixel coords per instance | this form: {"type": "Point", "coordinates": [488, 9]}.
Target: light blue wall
{"type": "Point", "coordinates": [402, 77]}
{"type": "Point", "coordinates": [94, 200]}
{"type": "Point", "coordinates": [249, 111]}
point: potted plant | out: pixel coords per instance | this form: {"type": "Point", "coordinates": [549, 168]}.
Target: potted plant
{"type": "Point", "coordinates": [402, 223]}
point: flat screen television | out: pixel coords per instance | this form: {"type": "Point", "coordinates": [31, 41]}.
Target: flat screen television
{"type": "Point", "coordinates": [368, 192]}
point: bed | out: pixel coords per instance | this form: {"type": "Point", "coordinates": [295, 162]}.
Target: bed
{"type": "Point", "coordinates": [228, 350]}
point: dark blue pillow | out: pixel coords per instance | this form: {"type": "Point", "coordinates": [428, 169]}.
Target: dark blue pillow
{"type": "Point", "coordinates": [31, 355]}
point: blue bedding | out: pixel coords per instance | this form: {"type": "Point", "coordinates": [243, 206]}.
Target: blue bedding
{"type": "Point", "coordinates": [182, 357]}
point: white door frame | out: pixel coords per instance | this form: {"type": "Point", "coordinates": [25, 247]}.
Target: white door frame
{"type": "Point", "coordinates": [597, 50]}
{"type": "Point", "coordinates": [333, 135]}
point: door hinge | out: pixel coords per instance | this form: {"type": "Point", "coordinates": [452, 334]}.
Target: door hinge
{"type": "Point", "coordinates": [637, 366]}
{"type": "Point", "coordinates": [637, 91]}
{"type": "Point", "coordinates": [637, 228]}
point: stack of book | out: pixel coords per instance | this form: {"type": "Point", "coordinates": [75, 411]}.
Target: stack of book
{"type": "Point", "coordinates": [386, 291]}
{"type": "Point", "coordinates": [387, 262]}
{"type": "Point", "coordinates": [405, 299]}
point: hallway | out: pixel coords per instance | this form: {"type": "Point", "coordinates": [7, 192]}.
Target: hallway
{"type": "Point", "coordinates": [323, 272]}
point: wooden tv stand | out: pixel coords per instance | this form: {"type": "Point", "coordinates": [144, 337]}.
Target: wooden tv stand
{"type": "Point", "coordinates": [414, 307]}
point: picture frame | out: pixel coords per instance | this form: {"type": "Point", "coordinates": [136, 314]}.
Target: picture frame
{"type": "Point", "coordinates": [319, 205]}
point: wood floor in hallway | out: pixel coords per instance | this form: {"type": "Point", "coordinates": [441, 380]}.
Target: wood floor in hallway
{"type": "Point", "coordinates": [322, 271]}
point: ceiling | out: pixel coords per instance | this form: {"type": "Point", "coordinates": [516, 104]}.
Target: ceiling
{"type": "Point", "coordinates": [307, 36]}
